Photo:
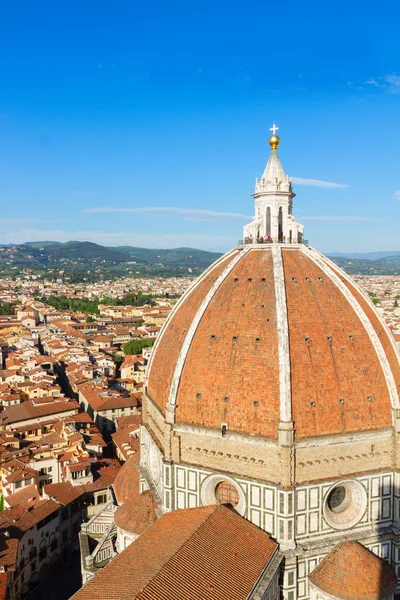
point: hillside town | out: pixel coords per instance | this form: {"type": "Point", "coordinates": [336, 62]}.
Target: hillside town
{"type": "Point", "coordinates": [70, 402]}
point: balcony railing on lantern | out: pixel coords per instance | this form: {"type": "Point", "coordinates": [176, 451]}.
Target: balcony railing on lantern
{"type": "Point", "coordinates": [269, 240]}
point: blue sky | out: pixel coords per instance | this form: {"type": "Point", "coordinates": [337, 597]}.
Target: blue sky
{"type": "Point", "coordinates": [147, 123]}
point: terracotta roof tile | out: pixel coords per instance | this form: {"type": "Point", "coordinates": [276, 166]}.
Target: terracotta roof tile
{"type": "Point", "coordinates": [63, 492]}
{"type": "Point", "coordinates": [231, 370]}
{"type": "Point", "coordinates": [209, 552]}
{"type": "Point", "coordinates": [137, 512]}
{"type": "Point", "coordinates": [169, 346]}
{"type": "Point", "coordinates": [351, 572]}
{"type": "Point", "coordinates": [323, 372]}
{"type": "Point", "coordinates": [228, 355]}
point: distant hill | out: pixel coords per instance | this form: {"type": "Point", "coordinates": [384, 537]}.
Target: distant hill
{"type": "Point", "coordinates": [366, 255]}
{"type": "Point", "coordinates": [183, 257]}
{"type": "Point", "coordinates": [87, 252]}
{"type": "Point", "coordinates": [80, 261]}
{"type": "Point", "coordinates": [86, 261]}
{"type": "Point", "coordinates": [41, 244]}
{"type": "Point", "coordinates": [389, 265]}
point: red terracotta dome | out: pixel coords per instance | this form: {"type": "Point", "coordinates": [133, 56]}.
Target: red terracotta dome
{"type": "Point", "coordinates": [352, 572]}
{"type": "Point", "coordinates": [136, 512]}
{"type": "Point", "coordinates": [276, 332]}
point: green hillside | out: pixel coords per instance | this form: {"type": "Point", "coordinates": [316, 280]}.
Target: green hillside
{"type": "Point", "coordinates": [384, 266]}
{"type": "Point", "coordinates": [182, 257]}
{"type": "Point", "coordinates": [80, 261]}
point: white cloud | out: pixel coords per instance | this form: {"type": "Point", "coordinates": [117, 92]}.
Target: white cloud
{"type": "Point", "coordinates": [393, 80]}
{"type": "Point", "coordinates": [318, 183]}
{"type": "Point", "coordinates": [336, 218]}
{"type": "Point", "coordinates": [188, 214]}
{"type": "Point", "coordinates": [397, 194]}
{"type": "Point", "coordinates": [372, 81]}
{"type": "Point", "coordinates": [389, 83]}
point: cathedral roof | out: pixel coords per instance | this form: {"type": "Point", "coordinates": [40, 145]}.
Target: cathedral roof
{"type": "Point", "coordinates": [137, 511]}
{"type": "Point", "coordinates": [209, 552]}
{"type": "Point", "coordinates": [351, 572]}
{"type": "Point", "coordinates": [271, 333]}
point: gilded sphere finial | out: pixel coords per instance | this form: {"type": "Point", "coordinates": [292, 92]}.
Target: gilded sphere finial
{"type": "Point", "coordinates": [274, 141]}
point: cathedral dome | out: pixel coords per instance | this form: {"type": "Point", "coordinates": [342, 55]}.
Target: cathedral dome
{"type": "Point", "coordinates": [276, 333]}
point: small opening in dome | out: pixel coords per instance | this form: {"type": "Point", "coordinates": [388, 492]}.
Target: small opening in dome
{"type": "Point", "coordinates": [329, 338]}
{"type": "Point", "coordinates": [213, 337]}
{"type": "Point", "coordinates": [257, 340]}
{"type": "Point", "coordinates": [320, 279]}
{"type": "Point", "coordinates": [339, 499]}
{"type": "Point", "coordinates": [249, 279]}
{"type": "Point", "coordinates": [262, 278]}
{"type": "Point", "coordinates": [306, 339]}
{"type": "Point", "coordinates": [236, 279]}
{"type": "Point", "coordinates": [226, 493]}
{"type": "Point", "coordinates": [308, 279]}
{"type": "Point", "coordinates": [294, 279]}
{"type": "Point", "coordinates": [351, 338]}
{"type": "Point", "coordinates": [369, 398]}
{"type": "Point", "coordinates": [234, 339]}
{"type": "Point", "coordinates": [341, 400]}
{"type": "Point", "coordinates": [226, 399]}
{"type": "Point", "coordinates": [198, 395]}
{"type": "Point", "coordinates": [313, 404]}
{"type": "Point", "coordinates": [255, 402]}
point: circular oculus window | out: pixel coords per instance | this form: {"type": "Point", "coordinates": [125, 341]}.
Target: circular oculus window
{"type": "Point", "coordinates": [345, 504]}
{"type": "Point", "coordinates": [227, 493]}
{"type": "Point", "coordinates": [220, 489]}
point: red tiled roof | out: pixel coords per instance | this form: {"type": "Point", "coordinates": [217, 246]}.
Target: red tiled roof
{"type": "Point", "coordinates": [27, 497]}
{"type": "Point", "coordinates": [323, 372]}
{"type": "Point", "coordinates": [126, 444]}
{"type": "Point", "coordinates": [164, 360]}
{"type": "Point", "coordinates": [209, 552]}
{"type": "Point", "coordinates": [64, 492]}
{"type": "Point", "coordinates": [129, 421]}
{"type": "Point", "coordinates": [3, 585]}
{"type": "Point", "coordinates": [137, 512]}
{"type": "Point", "coordinates": [20, 520]}
{"type": "Point", "coordinates": [231, 371]}
{"type": "Point", "coordinates": [351, 572]}
{"type": "Point", "coordinates": [32, 410]}
{"type": "Point", "coordinates": [127, 481]}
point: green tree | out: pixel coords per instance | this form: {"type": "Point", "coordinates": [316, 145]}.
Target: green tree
{"type": "Point", "coordinates": [72, 304]}
{"type": "Point", "coordinates": [136, 346]}
{"type": "Point", "coordinates": [7, 308]}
